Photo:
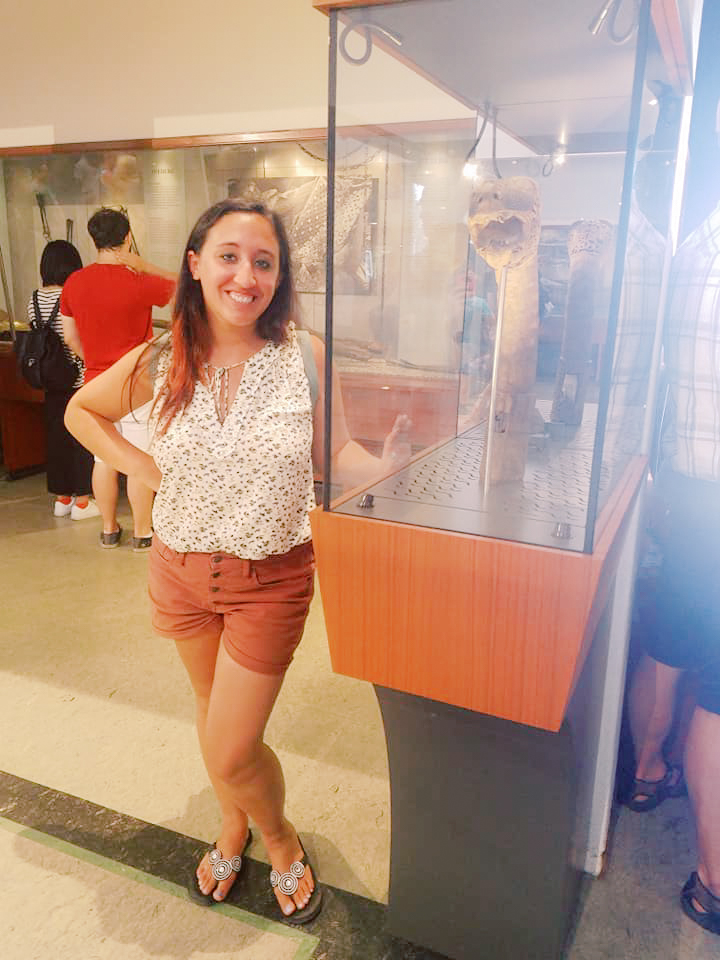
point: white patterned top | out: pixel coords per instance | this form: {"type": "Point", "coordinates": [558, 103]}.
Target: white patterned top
{"type": "Point", "coordinates": [244, 486]}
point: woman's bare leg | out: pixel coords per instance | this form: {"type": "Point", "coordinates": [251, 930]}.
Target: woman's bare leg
{"type": "Point", "coordinates": [240, 705]}
{"type": "Point", "coordinates": [199, 657]}
{"type": "Point", "coordinates": [233, 707]}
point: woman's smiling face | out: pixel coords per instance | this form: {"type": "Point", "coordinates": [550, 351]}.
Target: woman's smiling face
{"type": "Point", "coordinates": [238, 268]}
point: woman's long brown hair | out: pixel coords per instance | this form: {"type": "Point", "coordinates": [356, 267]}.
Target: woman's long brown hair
{"type": "Point", "coordinates": [189, 332]}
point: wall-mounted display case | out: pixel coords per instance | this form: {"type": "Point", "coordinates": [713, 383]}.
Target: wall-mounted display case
{"type": "Point", "coordinates": [51, 195]}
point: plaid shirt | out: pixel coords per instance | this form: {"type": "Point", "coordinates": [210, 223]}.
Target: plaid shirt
{"type": "Point", "coordinates": [692, 354]}
{"type": "Point", "coordinates": [637, 323]}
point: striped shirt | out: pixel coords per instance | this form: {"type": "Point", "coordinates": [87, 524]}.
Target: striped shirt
{"type": "Point", "coordinates": [692, 354]}
{"type": "Point", "coordinates": [47, 298]}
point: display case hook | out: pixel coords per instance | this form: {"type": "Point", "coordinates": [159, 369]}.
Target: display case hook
{"type": "Point", "coordinates": [608, 14]}
{"type": "Point", "coordinates": [367, 30]}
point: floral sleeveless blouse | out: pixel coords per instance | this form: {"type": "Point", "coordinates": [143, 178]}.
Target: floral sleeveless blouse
{"type": "Point", "coordinates": [244, 486]}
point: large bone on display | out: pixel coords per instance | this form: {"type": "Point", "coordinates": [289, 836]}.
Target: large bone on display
{"type": "Point", "coordinates": [588, 244]}
{"type": "Point", "coordinates": [504, 225]}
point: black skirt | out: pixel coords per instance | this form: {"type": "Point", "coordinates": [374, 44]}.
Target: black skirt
{"type": "Point", "coordinates": [69, 464]}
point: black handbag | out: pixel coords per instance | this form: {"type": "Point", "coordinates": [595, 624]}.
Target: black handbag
{"type": "Point", "coordinates": [41, 358]}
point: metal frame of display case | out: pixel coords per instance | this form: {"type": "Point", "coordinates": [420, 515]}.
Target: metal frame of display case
{"type": "Point", "coordinates": [495, 662]}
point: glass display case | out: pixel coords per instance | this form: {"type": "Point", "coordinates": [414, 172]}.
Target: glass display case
{"type": "Point", "coordinates": [521, 166]}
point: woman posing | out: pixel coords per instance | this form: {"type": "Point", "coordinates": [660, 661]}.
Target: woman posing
{"type": "Point", "coordinates": [231, 567]}
{"type": "Point", "coordinates": [69, 465]}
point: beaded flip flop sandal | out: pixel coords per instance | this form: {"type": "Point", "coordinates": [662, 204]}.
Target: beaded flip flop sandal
{"type": "Point", "coordinates": [288, 883]}
{"type": "Point", "coordinates": [221, 870]}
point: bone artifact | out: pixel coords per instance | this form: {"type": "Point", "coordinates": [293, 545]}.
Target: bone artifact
{"type": "Point", "coordinates": [504, 224]}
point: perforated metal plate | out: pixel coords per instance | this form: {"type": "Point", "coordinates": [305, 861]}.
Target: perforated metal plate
{"type": "Point", "coordinates": [444, 490]}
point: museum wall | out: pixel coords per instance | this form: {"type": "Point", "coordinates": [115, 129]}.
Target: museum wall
{"type": "Point", "coordinates": [171, 69]}
{"type": "Point", "coordinates": [92, 71]}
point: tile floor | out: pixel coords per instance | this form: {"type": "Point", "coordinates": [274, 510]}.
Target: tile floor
{"type": "Point", "coordinates": [96, 713]}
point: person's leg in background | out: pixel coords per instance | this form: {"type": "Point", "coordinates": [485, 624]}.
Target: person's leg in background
{"type": "Point", "coordinates": [135, 428]}
{"type": "Point", "coordinates": [701, 895]}
{"type": "Point", "coordinates": [82, 469]}
{"type": "Point", "coordinates": [105, 489]}
{"type": "Point", "coordinates": [141, 502]}
{"type": "Point", "coordinates": [59, 452]}
{"type": "Point", "coordinates": [702, 766]}
{"type": "Point", "coordinates": [669, 639]}
{"type": "Point", "coordinates": [652, 709]}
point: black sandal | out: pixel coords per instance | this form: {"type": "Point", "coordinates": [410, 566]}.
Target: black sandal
{"type": "Point", "coordinates": [709, 916]}
{"type": "Point", "coordinates": [108, 541]}
{"type": "Point", "coordinates": [645, 795]}
{"type": "Point", "coordinates": [221, 870]}
{"type": "Point", "coordinates": [288, 884]}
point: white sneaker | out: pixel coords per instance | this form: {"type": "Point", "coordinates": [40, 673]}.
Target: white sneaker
{"type": "Point", "coordinates": [84, 513]}
{"type": "Point", "coordinates": [63, 509]}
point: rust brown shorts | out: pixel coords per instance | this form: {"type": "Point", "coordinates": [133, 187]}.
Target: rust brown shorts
{"type": "Point", "coordinates": [259, 606]}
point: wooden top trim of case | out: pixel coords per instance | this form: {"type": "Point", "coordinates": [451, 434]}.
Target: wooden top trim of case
{"type": "Point", "coordinates": [325, 6]}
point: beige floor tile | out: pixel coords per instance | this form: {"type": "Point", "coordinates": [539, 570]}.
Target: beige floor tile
{"type": "Point", "coordinates": [54, 905]}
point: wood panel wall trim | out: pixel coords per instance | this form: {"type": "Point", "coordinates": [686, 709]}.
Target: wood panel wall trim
{"type": "Point", "coordinates": [398, 129]}
{"type": "Point", "coordinates": [169, 143]}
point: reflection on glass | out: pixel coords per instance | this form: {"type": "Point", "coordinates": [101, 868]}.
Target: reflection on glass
{"type": "Point", "coordinates": [164, 191]}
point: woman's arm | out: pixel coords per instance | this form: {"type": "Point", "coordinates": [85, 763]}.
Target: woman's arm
{"type": "Point", "coordinates": [352, 465]}
{"type": "Point", "coordinates": [93, 410]}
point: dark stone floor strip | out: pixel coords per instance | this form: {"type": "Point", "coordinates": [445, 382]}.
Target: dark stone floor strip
{"type": "Point", "coordinates": [350, 927]}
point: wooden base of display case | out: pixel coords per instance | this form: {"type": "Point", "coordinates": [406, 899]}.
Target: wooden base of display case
{"type": "Point", "coordinates": [495, 626]}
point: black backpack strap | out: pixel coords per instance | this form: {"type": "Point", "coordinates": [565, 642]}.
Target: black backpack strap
{"type": "Point", "coordinates": [39, 322]}
{"type": "Point", "coordinates": [36, 307]}
{"type": "Point", "coordinates": [54, 312]}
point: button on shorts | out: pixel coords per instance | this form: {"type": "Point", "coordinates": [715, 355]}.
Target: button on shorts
{"type": "Point", "coordinates": [259, 606]}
